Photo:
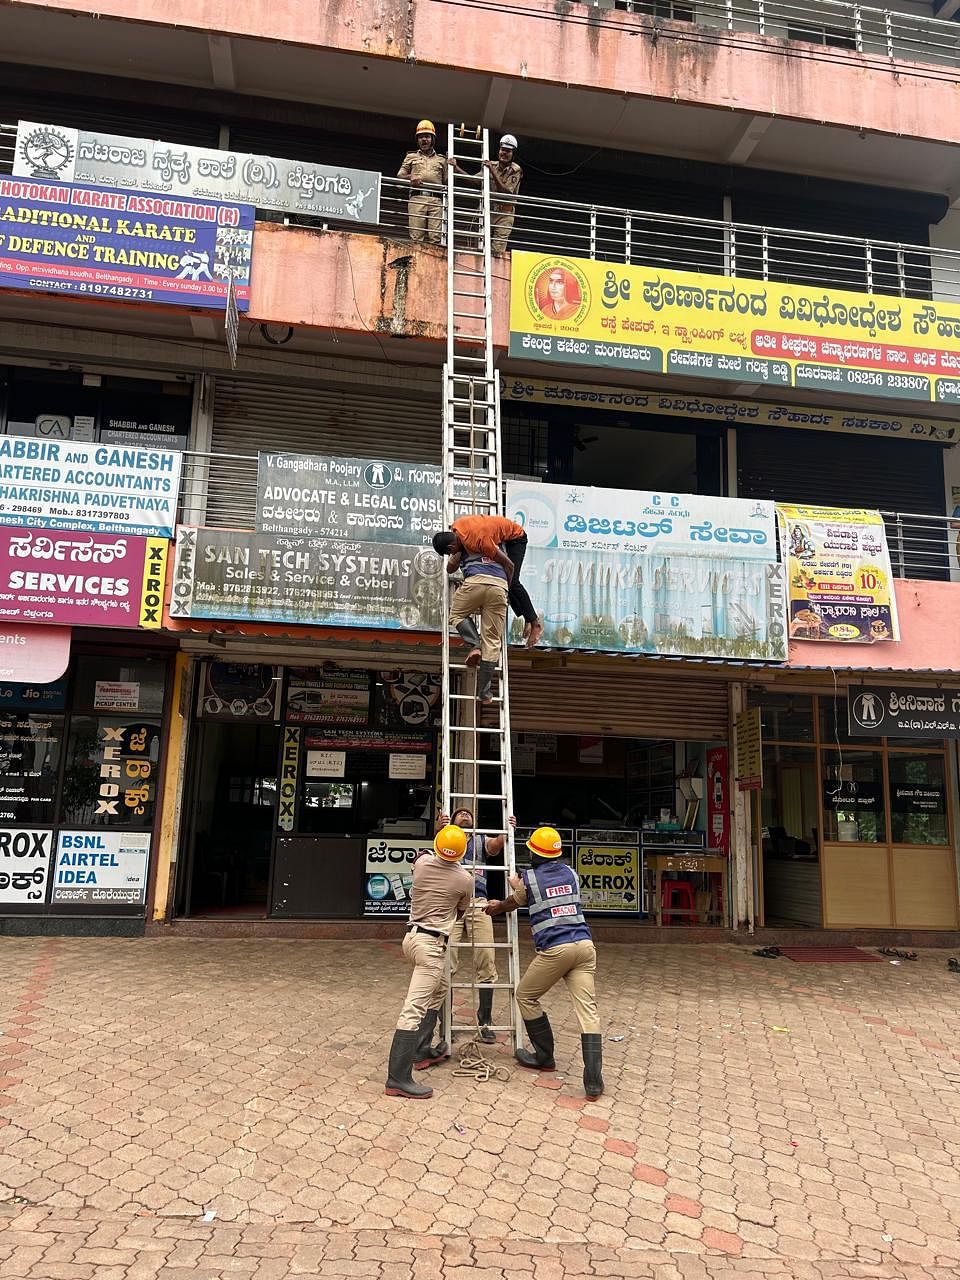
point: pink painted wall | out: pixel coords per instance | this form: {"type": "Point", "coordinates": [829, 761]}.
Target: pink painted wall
{"type": "Point", "coordinates": [749, 75]}
{"type": "Point", "coordinates": [928, 614]}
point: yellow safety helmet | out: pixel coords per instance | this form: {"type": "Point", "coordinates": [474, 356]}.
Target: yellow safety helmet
{"type": "Point", "coordinates": [426, 126]}
{"type": "Point", "coordinates": [546, 842]}
{"type": "Point", "coordinates": [450, 843]}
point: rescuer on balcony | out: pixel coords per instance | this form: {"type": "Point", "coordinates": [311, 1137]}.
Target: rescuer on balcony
{"type": "Point", "coordinates": [424, 168]}
{"type": "Point", "coordinates": [505, 179]}
{"type": "Point", "coordinates": [486, 534]}
{"type": "Point", "coordinates": [550, 891]}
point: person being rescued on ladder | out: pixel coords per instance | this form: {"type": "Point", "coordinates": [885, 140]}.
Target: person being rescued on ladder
{"type": "Point", "coordinates": [441, 891]}
{"type": "Point", "coordinates": [483, 592]}
{"type": "Point", "coordinates": [564, 946]}
{"type": "Point", "coordinates": [476, 925]}
{"type": "Point", "coordinates": [491, 535]}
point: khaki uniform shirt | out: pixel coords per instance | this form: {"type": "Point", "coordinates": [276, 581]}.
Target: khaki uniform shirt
{"type": "Point", "coordinates": [431, 168]}
{"type": "Point", "coordinates": [440, 889]}
{"type": "Point", "coordinates": [511, 176]}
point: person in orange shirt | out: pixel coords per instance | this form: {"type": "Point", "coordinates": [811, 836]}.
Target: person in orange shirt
{"type": "Point", "coordinates": [503, 541]}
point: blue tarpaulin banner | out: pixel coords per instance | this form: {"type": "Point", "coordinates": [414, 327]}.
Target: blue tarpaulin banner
{"type": "Point", "coordinates": [126, 246]}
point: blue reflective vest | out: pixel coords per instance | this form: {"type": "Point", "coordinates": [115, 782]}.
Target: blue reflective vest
{"type": "Point", "coordinates": [553, 901]}
{"type": "Point", "coordinates": [475, 562]}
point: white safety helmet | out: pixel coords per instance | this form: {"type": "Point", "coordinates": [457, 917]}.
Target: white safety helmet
{"type": "Point", "coordinates": [508, 140]}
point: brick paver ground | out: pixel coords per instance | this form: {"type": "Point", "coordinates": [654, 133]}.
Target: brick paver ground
{"type": "Point", "coordinates": [761, 1119]}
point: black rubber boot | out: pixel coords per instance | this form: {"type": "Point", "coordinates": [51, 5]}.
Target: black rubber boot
{"type": "Point", "coordinates": [467, 630]}
{"type": "Point", "coordinates": [485, 1017]}
{"type": "Point", "coordinates": [400, 1083]}
{"type": "Point", "coordinates": [541, 1037]}
{"type": "Point", "coordinates": [592, 1046]}
{"type": "Point", "coordinates": [427, 1055]}
{"type": "Point", "coordinates": [485, 682]}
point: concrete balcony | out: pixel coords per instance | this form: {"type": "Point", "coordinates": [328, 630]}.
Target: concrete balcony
{"type": "Point", "coordinates": [730, 87]}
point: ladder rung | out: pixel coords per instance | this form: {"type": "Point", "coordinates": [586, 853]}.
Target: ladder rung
{"type": "Point", "coordinates": [477, 795]}
{"type": "Point", "coordinates": [469, 728]}
{"type": "Point", "coordinates": [484, 986]}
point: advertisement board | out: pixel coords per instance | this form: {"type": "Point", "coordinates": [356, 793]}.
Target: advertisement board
{"type": "Point", "coordinates": [97, 488]}
{"type": "Point", "coordinates": [732, 413]}
{"type": "Point", "coordinates": [273, 578]}
{"type": "Point", "coordinates": [839, 578]}
{"type": "Point", "coordinates": [27, 654]}
{"type": "Point", "coordinates": [24, 865]}
{"type": "Point", "coordinates": [642, 572]}
{"type": "Point", "coordinates": [904, 711]}
{"type": "Point", "coordinates": [113, 245]}
{"type": "Point", "coordinates": [718, 805]}
{"type": "Point", "coordinates": [748, 750]}
{"type": "Point", "coordinates": [388, 875]}
{"type": "Point", "coordinates": [93, 579]}
{"type": "Point", "coordinates": [328, 697]}
{"type": "Point", "coordinates": [239, 691]}
{"type": "Point", "coordinates": [609, 878]}
{"type": "Point", "coordinates": [140, 164]}
{"type": "Point", "coordinates": [101, 867]}
{"type": "Point", "coordinates": [576, 311]}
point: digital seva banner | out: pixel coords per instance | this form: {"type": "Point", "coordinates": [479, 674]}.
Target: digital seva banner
{"type": "Point", "coordinates": [840, 583]}
{"type": "Point", "coordinates": [93, 242]}
{"type": "Point", "coordinates": [639, 572]}
{"type": "Point", "coordinates": [575, 311]}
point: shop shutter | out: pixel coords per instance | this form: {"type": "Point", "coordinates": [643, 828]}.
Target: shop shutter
{"type": "Point", "coordinates": [621, 701]}
{"type": "Point", "coordinates": [825, 469]}
{"type": "Point", "coordinates": [365, 416]}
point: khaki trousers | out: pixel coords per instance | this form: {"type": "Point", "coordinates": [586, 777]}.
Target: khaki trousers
{"type": "Point", "coordinates": [490, 602]}
{"type": "Point", "coordinates": [575, 963]}
{"type": "Point", "coordinates": [428, 985]}
{"type": "Point", "coordinates": [501, 224]}
{"type": "Point", "coordinates": [477, 926]}
{"type": "Point", "coordinates": [425, 216]}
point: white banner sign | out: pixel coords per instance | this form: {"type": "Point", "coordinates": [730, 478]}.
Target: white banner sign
{"type": "Point", "coordinates": [24, 864]}
{"type": "Point", "coordinates": [405, 766]}
{"type": "Point", "coordinates": [326, 764]}
{"type": "Point", "coordinates": [101, 867]}
{"type": "Point", "coordinates": [56, 152]}
{"type": "Point", "coordinates": [97, 488]}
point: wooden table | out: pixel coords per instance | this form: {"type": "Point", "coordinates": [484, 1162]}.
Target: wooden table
{"type": "Point", "coordinates": [690, 863]}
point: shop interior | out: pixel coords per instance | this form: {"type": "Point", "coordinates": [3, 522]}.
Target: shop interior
{"type": "Point", "coordinates": [854, 831]}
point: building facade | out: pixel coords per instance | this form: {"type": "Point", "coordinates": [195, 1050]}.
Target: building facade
{"type": "Point", "coordinates": [222, 705]}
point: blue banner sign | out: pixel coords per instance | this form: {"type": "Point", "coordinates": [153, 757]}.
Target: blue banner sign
{"type": "Point", "coordinates": [126, 246]}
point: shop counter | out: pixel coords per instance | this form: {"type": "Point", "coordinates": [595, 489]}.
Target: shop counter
{"type": "Point", "coordinates": [682, 865]}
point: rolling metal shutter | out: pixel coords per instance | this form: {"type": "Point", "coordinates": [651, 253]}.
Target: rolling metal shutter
{"type": "Point", "coordinates": [623, 702]}
{"type": "Point", "coordinates": [364, 414]}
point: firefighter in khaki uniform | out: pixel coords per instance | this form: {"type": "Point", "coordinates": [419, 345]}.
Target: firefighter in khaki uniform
{"type": "Point", "coordinates": [550, 891]}
{"type": "Point", "coordinates": [424, 167]}
{"type": "Point", "coordinates": [442, 890]}
{"type": "Point", "coordinates": [505, 179]}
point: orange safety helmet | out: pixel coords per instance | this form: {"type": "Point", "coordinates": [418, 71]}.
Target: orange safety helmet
{"type": "Point", "coordinates": [450, 843]}
{"type": "Point", "coordinates": [426, 126]}
{"type": "Point", "coordinates": [546, 842]}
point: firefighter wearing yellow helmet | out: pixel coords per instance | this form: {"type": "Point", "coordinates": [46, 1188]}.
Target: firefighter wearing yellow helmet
{"type": "Point", "coordinates": [425, 170]}
{"type": "Point", "coordinates": [440, 893]}
{"type": "Point", "coordinates": [564, 946]}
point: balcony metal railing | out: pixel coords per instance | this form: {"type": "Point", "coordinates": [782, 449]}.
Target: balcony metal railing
{"type": "Point", "coordinates": [820, 29]}
{"type": "Point", "coordinates": [220, 490]}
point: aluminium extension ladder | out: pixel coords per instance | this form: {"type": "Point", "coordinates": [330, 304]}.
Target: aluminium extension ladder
{"type": "Point", "coordinates": [475, 742]}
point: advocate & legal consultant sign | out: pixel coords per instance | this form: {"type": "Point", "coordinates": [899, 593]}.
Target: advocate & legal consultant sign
{"type": "Point", "coordinates": [575, 311]}
{"type": "Point", "coordinates": [126, 246]}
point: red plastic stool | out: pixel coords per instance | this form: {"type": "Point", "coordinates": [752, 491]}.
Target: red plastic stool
{"type": "Point", "coordinates": [684, 890]}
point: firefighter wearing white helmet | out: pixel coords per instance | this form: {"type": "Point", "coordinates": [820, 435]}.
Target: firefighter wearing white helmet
{"type": "Point", "coordinates": [424, 170]}
{"type": "Point", "coordinates": [440, 893]}
{"type": "Point", "coordinates": [505, 178]}
{"type": "Point", "coordinates": [550, 891]}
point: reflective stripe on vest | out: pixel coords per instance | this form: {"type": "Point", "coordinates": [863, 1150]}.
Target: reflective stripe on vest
{"type": "Point", "coordinates": [477, 852]}
{"type": "Point", "coordinates": [475, 562]}
{"type": "Point", "coordinates": [553, 902]}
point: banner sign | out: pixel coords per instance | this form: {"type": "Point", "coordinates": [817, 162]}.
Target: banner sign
{"type": "Point", "coordinates": [93, 580]}
{"type": "Point", "coordinates": [348, 498]}
{"type": "Point", "coordinates": [24, 865]}
{"type": "Point", "coordinates": [840, 583]}
{"type": "Point", "coordinates": [718, 805]}
{"type": "Point", "coordinates": [731, 413]}
{"type": "Point", "coordinates": [575, 311]}
{"type": "Point", "coordinates": [328, 697]}
{"type": "Point", "coordinates": [609, 878]}
{"type": "Point", "coordinates": [389, 874]}
{"type": "Point", "coordinates": [109, 160]}
{"type": "Point", "coordinates": [265, 578]}
{"type": "Point", "coordinates": [101, 866]}
{"type": "Point", "coordinates": [903, 711]}
{"type": "Point", "coordinates": [748, 750]}
{"type": "Point", "coordinates": [637, 572]}
{"type": "Point", "coordinates": [50, 484]}
{"type": "Point", "coordinates": [29, 655]}
{"type": "Point", "coordinates": [116, 245]}
{"type": "Point", "coordinates": [366, 740]}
